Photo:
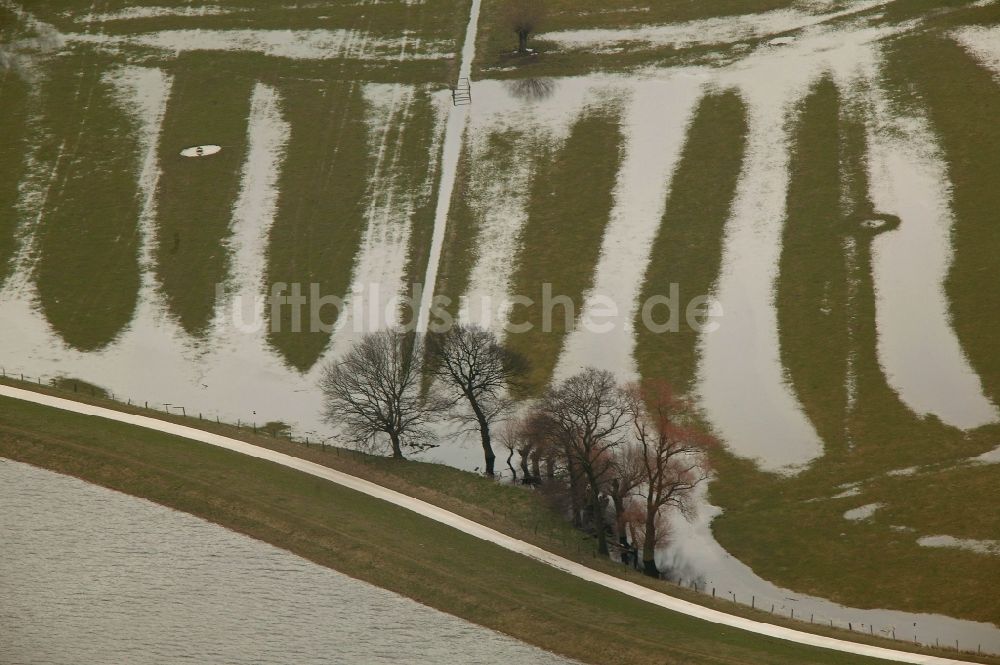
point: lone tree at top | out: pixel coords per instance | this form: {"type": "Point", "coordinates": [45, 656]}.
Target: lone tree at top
{"type": "Point", "coordinates": [373, 393]}
{"type": "Point", "coordinates": [524, 17]}
{"type": "Point", "coordinates": [478, 370]}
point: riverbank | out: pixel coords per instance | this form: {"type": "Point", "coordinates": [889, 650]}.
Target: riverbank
{"type": "Point", "coordinates": [420, 559]}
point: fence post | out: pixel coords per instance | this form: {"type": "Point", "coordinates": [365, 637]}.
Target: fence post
{"type": "Point", "coordinates": [713, 592]}
{"type": "Point", "coordinates": [753, 602]}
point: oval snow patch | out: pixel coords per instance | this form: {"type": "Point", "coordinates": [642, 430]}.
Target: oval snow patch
{"type": "Point", "coordinates": [201, 150]}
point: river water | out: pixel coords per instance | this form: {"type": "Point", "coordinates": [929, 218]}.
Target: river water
{"type": "Point", "coordinates": [89, 575]}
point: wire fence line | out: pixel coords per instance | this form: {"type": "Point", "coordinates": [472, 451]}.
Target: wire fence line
{"type": "Point", "coordinates": [83, 388]}
{"type": "Point", "coordinates": [584, 542]}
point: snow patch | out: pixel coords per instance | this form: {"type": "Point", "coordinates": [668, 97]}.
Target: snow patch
{"type": "Point", "coordinates": [983, 43]}
{"type": "Point", "coordinates": [721, 30]}
{"type": "Point", "coordinates": [917, 347]}
{"type": "Point", "coordinates": [991, 547]}
{"type": "Point", "coordinates": [253, 213]}
{"type": "Point", "coordinates": [133, 13]}
{"type": "Point", "coordinates": [294, 44]}
{"type": "Point", "coordinates": [654, 124]}
{"type": "Point", "coordinates": [862, 513]}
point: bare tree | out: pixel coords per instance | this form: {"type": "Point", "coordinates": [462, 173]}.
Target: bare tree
{"type": "Point", "coordinates": [635, 520]}
{"type": "Point", "coordinates": [588, 412]}
{"type": "Point", "coordinates": [524, 17]}
{"type": "Point", "coordinates": [373, 393]}
{"type": "Point", "coordinates": [511, 439]}
{"type": "Point", "coordinates": [673, 457]}
{"type": "Point", "coordinates": [627, 474]}
{"type": "Point", "coordinates": [478, 370]}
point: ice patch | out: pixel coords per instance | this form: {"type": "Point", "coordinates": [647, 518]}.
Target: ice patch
{"type": "Point", "coordinates": [133, 13]}
{"type": "Point", "coordinates": [991, 547]}
{"type": "Point", "coordinates": [983, 43]}
{"type": "Point", "coordinates": [990, 457]}
{"type": "Point", "coordinates": [722, 30]}
{"type": "Point", "coordinates": [862, 513]}
{"type": "Point", "coordinates": [253, 214]}
{"type": "Point", "coordinates": [917, 347]}
{"type": "Point", "coordinates": [848, 491]}
{"type": "Point", "coordinates": [654, 126]}
{"type": "Point", "coordinates": [294, 44]}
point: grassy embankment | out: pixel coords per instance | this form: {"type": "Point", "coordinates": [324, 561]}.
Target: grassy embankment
{"type": "Point", "coordinates": [87, 267]}
{"type": "Point", "coordinates": [511, 510]}
{"type": "Point", "coordinates": [826, 292]}
{"type": "Point", "coordinates": [382, 544]}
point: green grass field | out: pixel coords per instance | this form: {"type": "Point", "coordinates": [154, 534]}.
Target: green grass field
{"type": "Point", "coordinates": [385, 545]}
{"type": "Point", "coordinates": [688, 247]}
{"type": "Point", "coordinates": [208, 105]}
{"type": "Point", "coordinates": [13, 145]}
{"type": "Point", "coordinates": [89, 205]}
{"type": "Point", "coordinates": [321, 204]}
{"type": "Point", "coordinates": [568, 210]}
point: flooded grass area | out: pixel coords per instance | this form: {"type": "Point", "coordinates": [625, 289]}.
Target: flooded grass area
{"type": "Point", "coordinates": [687, 250]}
{"type": "Point", "coordinates": [813, 283]}
{"type": "Point", "coordinates": [320, 215]}
{"type": "Point", "coordinates": [568, 210]}
{"type": "Point", "coordinates": [827, 306]}
{"type": "Point", "coordinates": [835, 191]}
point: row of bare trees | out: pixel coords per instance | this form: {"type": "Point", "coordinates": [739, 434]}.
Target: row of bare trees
{"type": "Point", "coordinates": [376, 392]}
{"type": "Point", "coordinates": [616, 457]}
{"type": "Point", "coordinates": [624, 454]}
